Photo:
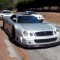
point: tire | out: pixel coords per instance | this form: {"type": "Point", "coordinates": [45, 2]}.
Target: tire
{"type": "Point", "coordinates": [3, 25]}
{"type": "Point", "coordinates": [41, 21]}
{"type": "Point", "coordinates": [13, 33]}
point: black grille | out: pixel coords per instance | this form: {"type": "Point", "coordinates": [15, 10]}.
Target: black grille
{"type": "Point", "coordinates": [44, 33]}
{"type": "Point", "coordinates": [45, 40]}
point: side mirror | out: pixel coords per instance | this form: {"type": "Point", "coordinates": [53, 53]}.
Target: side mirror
{"type": "Point", "coordinates": [14, 19]}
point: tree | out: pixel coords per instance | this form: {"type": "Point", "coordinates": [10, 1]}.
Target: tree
{"type": "Point", "coordinates": [6, 4]}
{"type": "Point", "coordinates": [24, 4]}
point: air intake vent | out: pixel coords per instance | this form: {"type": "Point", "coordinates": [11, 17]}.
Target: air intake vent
{"type": "Point", "coordinates": [44, 33]}
{"type": "Point", "coordinates": [45, 40]}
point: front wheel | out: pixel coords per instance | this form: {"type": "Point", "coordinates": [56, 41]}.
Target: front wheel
{"type": "Point", "coordinates": [41, 20]}
{"type": "Point", "coordinates": [13, 33]}
{"type": "Point", "coordinates": [3, 25]}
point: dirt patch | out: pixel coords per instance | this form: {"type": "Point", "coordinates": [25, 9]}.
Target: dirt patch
{"type": "Point", "coordinates": [51, 17]}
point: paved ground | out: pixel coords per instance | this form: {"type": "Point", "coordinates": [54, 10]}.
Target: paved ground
{"type": "Point", "coordinates": [7, 51]}
{"type": "Point", "coordinates": [13, 51]}
{"type": "Point", "coordinates": [3, 48]}
{"type": "Point", "coordinates": [52, 53]}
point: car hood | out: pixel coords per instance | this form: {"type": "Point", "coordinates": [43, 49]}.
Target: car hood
{"type": "Point", "coordinates": [36, 27]}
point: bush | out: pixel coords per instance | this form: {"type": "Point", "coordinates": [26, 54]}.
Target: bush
{"type": "Point", "coordinates": [6, 4]}
{"type": "Point", "coordinates": [27, 4]}
{"type": "Point", "coordinates": [22, 5]}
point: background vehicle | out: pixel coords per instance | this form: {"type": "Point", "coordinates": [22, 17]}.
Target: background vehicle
{"type": "Point", "coordinates": [4, 13]}
{"type": "Point", "coordinates": [29, 12]}
{"type": "Point", "coordinates": [28, 31]}
{"type": "Point", "coordinates": [38, 16]}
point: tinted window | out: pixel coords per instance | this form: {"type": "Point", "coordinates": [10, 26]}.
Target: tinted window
{"type": "Point", "coordinates": [27, 19]}
{"type": "Point", "coordinates": [31, 12]}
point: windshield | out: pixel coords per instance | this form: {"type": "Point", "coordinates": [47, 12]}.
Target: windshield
{"type": "Point", "coordinates": [27, 19]}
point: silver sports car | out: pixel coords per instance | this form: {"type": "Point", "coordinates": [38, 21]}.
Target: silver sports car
{"type": "Point", "coordinates": [29, 32]}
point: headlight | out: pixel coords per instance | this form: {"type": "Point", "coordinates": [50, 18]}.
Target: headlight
{"type": "Point", "coordinates": [31, 34]}
{"type": "Point", "coordinates": [1, 15]}
{"type": "Point", "coordinates": [57, 30]}
{"type": "Point", "coordinates": [25, 33]}
{"type": "Point", "coordinates": [54, 32]}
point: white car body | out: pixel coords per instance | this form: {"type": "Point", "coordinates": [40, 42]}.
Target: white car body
{"type": "Point", "coordinates": [4, 13]}
{"type": "Point", "coordinates": [38, 16]}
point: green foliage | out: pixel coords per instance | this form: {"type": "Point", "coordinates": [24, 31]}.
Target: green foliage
{"type": "Point", "coordinates": [35, 4]}
{"type": "Point", "coordinates": [6, 4]}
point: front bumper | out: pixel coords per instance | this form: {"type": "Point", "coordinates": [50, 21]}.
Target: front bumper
{"type": "Point", "coordinates": [41, 42]}
{"type": "Point", "coordinates": [42, 45]}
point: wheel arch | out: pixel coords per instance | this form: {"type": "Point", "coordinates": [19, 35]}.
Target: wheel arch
{"type": "Point", "coordinates": [13, 32]}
